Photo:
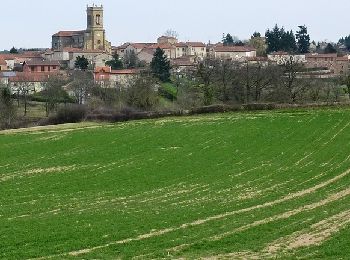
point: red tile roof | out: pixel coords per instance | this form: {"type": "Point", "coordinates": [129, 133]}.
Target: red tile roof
{"type": "Point", "coordinates": [126, 71]}
{"type": "Point", "coordinates": [105, 69]}
{"type": "Point", "coordinates": [37, 62]}
{"type": "Point", "coordinates": [30, 77]}
{"type": "Point", "coordinates": [163, 46]}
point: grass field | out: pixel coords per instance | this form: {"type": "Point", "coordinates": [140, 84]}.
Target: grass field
{"type": "Point", "coordinates": [227, 186]}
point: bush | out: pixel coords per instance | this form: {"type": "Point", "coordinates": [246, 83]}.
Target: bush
{"type": "Point", "coordinates": [69, 113]}
{"type": "Point", "coordinates": [215, 109]}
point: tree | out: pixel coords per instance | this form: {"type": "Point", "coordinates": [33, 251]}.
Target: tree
{"type": "Point", "coordinates": [115, 63]}
{"type": "Point", "coordinates": [330, 49]}
{"type": "Point", "coordinates": [303, 39]}
{"type": "Point", "coordinates": [346, 81]}
{"type": "Point", "coordinates": [278, 39]}
{"type": "Point", "coordinates": [256, 35]}
{"type": "Point", "coordinates": [227, 40]}
{"type": "Point", "coordinates": [7, 109]}
{"type": "Point", "coordinates": [131, 61]}
{"type": "Point", "coordinates": [81, 63]}
{"type": "Point", "coordinates": [142, 94]}
{"type": "Point", "coordinates": [81, 84]}
{"type": "Point", "coordinates": [13, 50]}
{"type": "Point", "coordinates": [205, 73]}
{"type": "Point", "coordinates": [171, 33]}
{"type": "Point", "coordinates": [346, 42]}
{"type": "Point", "coordinates": [259, 44]}
{"type": "Point", "coordinates": [54, 93]}
{"type": "Point", "coordinates": [160, 66]}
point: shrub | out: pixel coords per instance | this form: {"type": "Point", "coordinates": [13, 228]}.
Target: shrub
{"type": "Point", "coordinates": [69, 113]}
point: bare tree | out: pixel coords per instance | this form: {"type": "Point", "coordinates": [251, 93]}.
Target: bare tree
{"type": "Point", "coordinates": [7, 109]}
{"type": "Point", "coordinates": [171, 33]}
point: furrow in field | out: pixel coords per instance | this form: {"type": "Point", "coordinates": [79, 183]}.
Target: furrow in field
{"type": "Point", "coordinates": [212, 218]}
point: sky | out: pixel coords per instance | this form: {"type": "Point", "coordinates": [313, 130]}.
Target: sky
{"type": "Point", "coordinates": [30, 23]}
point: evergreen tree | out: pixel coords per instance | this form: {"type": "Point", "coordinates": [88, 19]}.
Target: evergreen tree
{"type": "Point", "coordinates": [330, 49]}
{"type": "Point", "coordinates": [273, 39]}
{"type": "Point", "coordinates": [81, 63]}
{"type": "Point", "coordinates": [13, 50]}
{"type": "Point", "coordinates": [303, 39]}
{"type": "Point", "coordinates": [227, 40]}
{"type": "Point", "coordinates": [256, 35]}
{"type": "Point", "coordinates": [116, 63]}
{"type": "Point", "coordinates": [278, 39]}
{"type": "Point", "coordinates": [288, 42]}
{"type": "Point", "coordinates": [160, 66]}
{"type": "Point", "coordinates": [346, 42]}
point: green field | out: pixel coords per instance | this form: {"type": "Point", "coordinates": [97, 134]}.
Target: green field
{"type": "Point", "coordinates": [226, 186]}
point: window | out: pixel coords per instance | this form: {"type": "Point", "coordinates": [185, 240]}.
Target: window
{"type": "Point", "coordinates": [42, 68]}
{"type": "Point", "coordinates": [32, 68]}
{"type": "Point", "coordinates": [98, 19]}
{"type": "Point", "coordinates": [54, 67]}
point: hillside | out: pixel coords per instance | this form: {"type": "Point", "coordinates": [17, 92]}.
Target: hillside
{"type": "Point", "coordinates": [244, 185]}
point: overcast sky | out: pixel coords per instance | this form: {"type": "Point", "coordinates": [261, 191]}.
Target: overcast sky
{"type": "Point", "coordinates": [30, 23]}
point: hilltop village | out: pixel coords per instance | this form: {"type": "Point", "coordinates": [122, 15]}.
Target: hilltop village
{"type": "Point", "coordinates": [36, 66]}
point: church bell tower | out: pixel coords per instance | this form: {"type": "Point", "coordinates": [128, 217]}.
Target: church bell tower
{"type": "Point", "coordinates": [95, 36]}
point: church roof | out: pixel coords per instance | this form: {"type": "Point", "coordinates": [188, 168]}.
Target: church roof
{"type": "Point", "coordinates": [68, 33]}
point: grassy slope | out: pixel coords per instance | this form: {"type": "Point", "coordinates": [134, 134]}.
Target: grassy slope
{"type": "Point", "coordinates": [186, 187]}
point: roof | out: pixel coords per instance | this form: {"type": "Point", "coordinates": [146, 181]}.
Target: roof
{"type": "Point", "coordinates": [105, 69]}
{"type": "Point", "coordinates": [139, 45]}
{"type": "Point", "coordinates": [125, 71]}
{"type": "Point", "coordinates": [68, 33]}
{"type": "Point", "coordinates": [163, 46]}
{"type": "Point", "coordinates": [37, 62]}
{"type": "Point", "coordinates": [148, 51]}
{"type": "Point", "coordinates": [345, 58]}
{"type": "Point", "coordinates": [195, 44]}
{"type": "Point", "coordinates": [233, 49]}
{"type": "Point", "coordinates": [183, 61]}
{"type": "Point", "coordinates": [30, 77]}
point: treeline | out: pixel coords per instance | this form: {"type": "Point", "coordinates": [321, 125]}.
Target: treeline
{"type": "Point", "coordinates": [211, 82]}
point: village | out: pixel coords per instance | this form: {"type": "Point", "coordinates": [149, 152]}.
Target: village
{"type": "Point", "coordinates": [35, 67]}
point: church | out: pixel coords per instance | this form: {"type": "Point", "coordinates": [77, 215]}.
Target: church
{"type": "Point", "coordinates": [91, 39]}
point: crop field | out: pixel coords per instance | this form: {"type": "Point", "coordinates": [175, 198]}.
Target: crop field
{"type": "Point", "coordinates": [226, 186]}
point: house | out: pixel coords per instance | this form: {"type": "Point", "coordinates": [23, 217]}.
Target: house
{"type": "Point", "coordinates": [32, 81]}
{"type": "Point", "coordinates": [184, 64]}
{"type": "Point", "coordinates": [41, 66]}
{"type": "Point", "coordinates": [107, 77]}
{"type": "Point", "coordinates": [136, 47]}
{"type": "Point", "coordinates": [197, 49]}
{"type": "Point", "coordinates": [169, 49]}
{"type": "Point", "coordinates": [146, 55]}
{"type": "Point", "coordinates": [232, 52]}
